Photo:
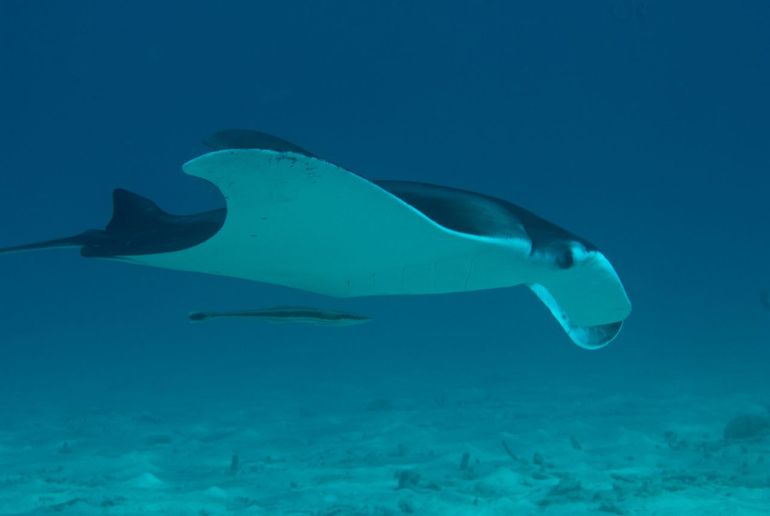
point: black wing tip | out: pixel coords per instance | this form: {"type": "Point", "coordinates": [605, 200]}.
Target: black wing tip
{"type": "Point", "coordinates": [196, 316]}
{"type": "Point", "coordinates": [121, 193]}
{"type": "Point", "coordinates": [227, 139]}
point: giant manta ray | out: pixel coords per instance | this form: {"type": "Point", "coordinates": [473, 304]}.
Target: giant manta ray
{"type": "Point", "coordinates": [297, 220]}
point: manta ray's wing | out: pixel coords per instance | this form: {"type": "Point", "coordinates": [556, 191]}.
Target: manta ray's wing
{"type": "Point", "coordinates": [306, 223]}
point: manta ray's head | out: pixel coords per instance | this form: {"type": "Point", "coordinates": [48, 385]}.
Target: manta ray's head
{"type": "Point", "coordinates": [583, 292]}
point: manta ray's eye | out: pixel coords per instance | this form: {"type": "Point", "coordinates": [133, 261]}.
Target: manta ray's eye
{"type": "Point", "coordinates": [557, 254]}
{"type": "Point", "coordinates": [567, 254]}
{"type": "Point", "coordinates": [564, 258]}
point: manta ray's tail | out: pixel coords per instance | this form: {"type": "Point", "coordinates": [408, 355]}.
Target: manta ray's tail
{"type": "Point", "coordinates": [72, 241]}
{"type": "Point", "coordinates": [138, 226]}
{"type": "Point", "coordinates": [127, 206]}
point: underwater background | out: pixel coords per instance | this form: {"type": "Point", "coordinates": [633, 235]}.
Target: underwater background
{"type": "Point", "coordinates": [641, 125]}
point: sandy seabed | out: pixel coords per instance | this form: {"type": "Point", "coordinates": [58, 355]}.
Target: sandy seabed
{"type": "Point", "coordinates": [510, 447]}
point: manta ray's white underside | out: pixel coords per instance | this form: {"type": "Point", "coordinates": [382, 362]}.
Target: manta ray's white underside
{"type": "Point", "coordinates": [302, 222]}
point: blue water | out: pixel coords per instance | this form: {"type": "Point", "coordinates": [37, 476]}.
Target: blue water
{"type": "Point", "coordinates": [640, 125]}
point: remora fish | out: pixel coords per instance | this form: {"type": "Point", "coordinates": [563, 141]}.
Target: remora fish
{"type": "Point", "coordinates": [289, 314]}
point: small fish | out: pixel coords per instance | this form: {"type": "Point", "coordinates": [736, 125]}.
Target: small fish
{"type": "Point", "coordinates": [764, 298]}
{"type": "Point", "coordinates": [289, 314]}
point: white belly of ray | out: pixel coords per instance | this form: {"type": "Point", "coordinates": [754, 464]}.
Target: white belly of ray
{"type": "Point", "coordinates": [305, 223]}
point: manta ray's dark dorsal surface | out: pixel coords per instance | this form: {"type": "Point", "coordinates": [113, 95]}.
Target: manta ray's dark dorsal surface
{"type": "Point", "coordinates": [138, 226]}
{"type": "Point", "coordinates": [483, 215]}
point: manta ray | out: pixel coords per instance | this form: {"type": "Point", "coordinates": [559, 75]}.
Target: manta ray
{"type": "Point", "coordinates": [295, 219]}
